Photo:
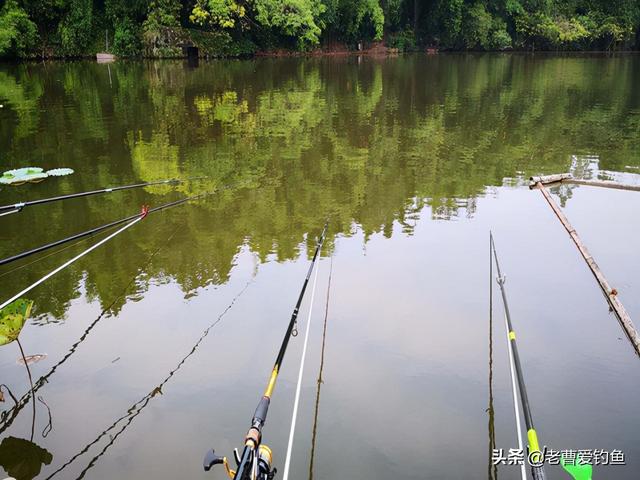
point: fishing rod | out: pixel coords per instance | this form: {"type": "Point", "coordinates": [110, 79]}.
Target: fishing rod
{"type": "Point", "coordinates": [131, 221]}
{"type": "Point", "coordinates": [95, 230]}
{"type": "Point", "coordinates": [256, 460]}
{"type": "Point", "coordinates": [535, 456]}
{"type": "Point", "coordinates": [18, 207]}
{"type": "Point", "coordinates": [139, 217]}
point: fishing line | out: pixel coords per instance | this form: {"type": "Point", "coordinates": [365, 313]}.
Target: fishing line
{"type": "Point", "coordinates": [137, 408]}
{"type": "Point", "coordinates": [9, 416]}
{"type": "Point", "coordinates": [492, 468]}
{"type": "Point", "coordinates": [134, 219]}
{"type": "Point", "coordinates": [514, 388]}
{"type": "Point", "coordinates": [55, 252]}
{"type": "Point", "coordinates": [106, 226]}
{"type": "Point", "coordinates": [256, 458]}
{"type": "Point", "coordinates": [296, 402]}
{"type": "Point", "coordinates": [515, 401]}
{"type": "Point", "coordinates": [534, 455]}
{"type": "Point", "coordinates": [92, 231]}
{"type": "Point", "coordinates": [69, 262]}
{"type": "Point", "coordinates": [320, 381]}
{"type": "Point", "coordinates": [9, 212]}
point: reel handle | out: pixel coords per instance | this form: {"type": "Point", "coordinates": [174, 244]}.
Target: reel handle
{"type": "Point", "coordinates": [211, 459]}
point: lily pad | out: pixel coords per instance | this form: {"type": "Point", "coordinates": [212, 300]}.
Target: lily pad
{"type": "Point", "coordinates": [59, 172]}
{"type": "Point", "coordinates": [23, 175]}
{"type": "Point", "coordinates": [33, 177]}
{"type": "Point", "coordinates": [13, 318]}
{"type": "Point", "coordinates": [23, 459]}
{"type": "Point", "coordinates": [18, 172]}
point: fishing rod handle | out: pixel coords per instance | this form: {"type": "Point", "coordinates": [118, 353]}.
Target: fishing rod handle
{"type": "Point", "coordinates": [538, 473]}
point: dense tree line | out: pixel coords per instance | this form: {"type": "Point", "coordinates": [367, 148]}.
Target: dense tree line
{"type": "Point", "coordinates": [69, 28]}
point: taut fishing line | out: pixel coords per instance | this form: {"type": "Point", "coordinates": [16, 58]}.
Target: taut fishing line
{"type": "Point", "coordinates": [294, 415]}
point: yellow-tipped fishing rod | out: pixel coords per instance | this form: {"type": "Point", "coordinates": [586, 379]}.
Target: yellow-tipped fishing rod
{"type": "Point", "coordinates": [535, 456]}
{"type": "Point", "coordinates": [255, 462]}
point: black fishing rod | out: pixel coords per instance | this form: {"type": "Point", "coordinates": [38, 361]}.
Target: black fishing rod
{"type": "Point", "coordinates": [17, 207]}
{"type": "Point", "coordinates": [535, 456]}
{"type": "Point", "coordinates": [255, 463]}
{"type": "Point", "coordinates": [95, 230]}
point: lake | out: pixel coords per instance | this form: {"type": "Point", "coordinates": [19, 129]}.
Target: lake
{"type": "Point", "coordinates": [160, 343]}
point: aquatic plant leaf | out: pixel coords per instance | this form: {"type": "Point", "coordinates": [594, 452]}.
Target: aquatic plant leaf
{"type": "Point", "coordinates": [31, 359]}
{"type": "Point", "coordinates": [13, 318]}
{"type": "Point", "coordinates": [34, 177]}
{"type": "Point", "coordinates": [59, 172]}
{"type": "Point", "coordinates": [576, 469]}
{"type": "Point", "coordinates": [23, 459]}
{"type": "Point", "coordinates": [18, 172]}
{"type": "Point", "coordinates": [23, 178]}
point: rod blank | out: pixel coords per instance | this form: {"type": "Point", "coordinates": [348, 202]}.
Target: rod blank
{"type": "Point", "coordinates": [17, 207]}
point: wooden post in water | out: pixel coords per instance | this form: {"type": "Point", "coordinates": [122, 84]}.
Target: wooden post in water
{"type": "Point", "coordinates": [610, 293]}
{"type": "Point", "coordinates": [567, 178]}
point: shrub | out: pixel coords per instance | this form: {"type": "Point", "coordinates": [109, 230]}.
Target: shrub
{"type": "Point", "coordinates": [18, 34]}
{"type": "Point", "coordinates": [75, 29]}
{"type": "Point", "coordinates": [404, 40]}
{"type": "Point", "coordinates": [126, 38]}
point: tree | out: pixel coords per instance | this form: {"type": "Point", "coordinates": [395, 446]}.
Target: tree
{"type": "Point", "coordinates": [293, 18]}
{"type": "Point", "coordinates": [76, 28]}
{"type": "Point", "coordinates": [18, 34]}
{"type": "Point", "coordinates": [219, 13]}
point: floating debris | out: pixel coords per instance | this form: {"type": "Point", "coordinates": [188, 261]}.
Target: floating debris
{"type": "Point", "coordinates": [31, 359]}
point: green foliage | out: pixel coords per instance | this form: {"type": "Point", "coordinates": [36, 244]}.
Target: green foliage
{"type": "Point", "coordinates": [368, 19]}
{"type": "Point", "coordinates": [219, 13]}
{"type": "Point", "coordinates": [162, 13]}
{"type": "Point", "coordinates": [482, 31]}
{"type": "Point", "coordinates": [221, 44]}
{"type": "Point", "coordinates": [161, 31]}
{"type": "Point", "coordinates": [157, 28]}
{"type": "Point", "coordinates": [293, 18]}
{"type": "Point", "coordinates": [18, 34]}
{"type": "Point", "coordinates": [13, 318]}
{"type": "Point", "coordinates": [127, 41]}
{"type": "Point", "coordinates": [76, 28]}
{"type": "Point", "coordinates": [450, 15]}
{"type": "Point", "coordinates": [476, 27]}
{"type": "Point", "coordinates": [404, 40]}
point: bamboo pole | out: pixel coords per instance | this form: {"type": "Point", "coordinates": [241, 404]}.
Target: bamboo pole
{"type": "Point", "coordinates": [604, 184]}
{"type": "Point", "coordinates": [610, 294]}
{"type": "Point", "coordinates": [567, 178]}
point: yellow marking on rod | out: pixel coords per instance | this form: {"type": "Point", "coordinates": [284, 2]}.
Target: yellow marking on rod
{"type": "Point", "coordinates": [512, 335]}
{"type": "Point", "coordinates": [533, 441]}
{"type": "Point", "coordinates": [272, 382]}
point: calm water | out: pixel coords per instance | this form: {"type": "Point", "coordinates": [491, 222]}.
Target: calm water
{"type": "Point", "coordinates": [413, 159]}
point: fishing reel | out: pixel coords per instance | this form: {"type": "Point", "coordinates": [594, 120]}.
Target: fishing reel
{"type": "Point", "coordinates": [261, 464]}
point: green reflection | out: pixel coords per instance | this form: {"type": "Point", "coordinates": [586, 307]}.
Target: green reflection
{"type": "Point", "coordinates": [364, 141]}
{"type": "Point", "coordinates": [23, 459]}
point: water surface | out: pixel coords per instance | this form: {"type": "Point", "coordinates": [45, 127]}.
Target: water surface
{"type": "Point", "coordinates": [413, 159]}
